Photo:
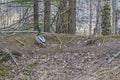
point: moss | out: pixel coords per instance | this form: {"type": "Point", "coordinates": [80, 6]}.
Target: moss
{"type": "Point", "coordinates": [4, 71]}
{"type": "Point", "coordinates": [114, 36]}
{"type": "Point", "coordinates": [16, 53]}
{"type": "Point", "coordinates": [5, 56]}
{"type": "Point", "coordinates": [108, 36]}
{"type": "Point", "coordinates": [29, 66]}
{"type": "Point", "coordinates": [23, 77]}
{"type": "Point", "coordinates": [29, 38]}
{"type": "Point", "coordinates": [64, 37]}
{"type": "Point", "coordinates": [26, 39]}
{"type": "Point", "coordinates": [50, 38]}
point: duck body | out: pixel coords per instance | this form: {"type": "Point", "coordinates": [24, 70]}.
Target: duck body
{"type": "Point", "coordinates": [40, 40]}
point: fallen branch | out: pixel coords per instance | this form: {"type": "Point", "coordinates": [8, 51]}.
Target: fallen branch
{"type": "Point", "coordinates": [117, 74]}
{"type": "Point", "coordinates": [71, 40]}
{"type": "Point", "coordinates": [20, 42]}
{"type": "Point", "coordinates": [113, 57]}
{"type": "Point", "coordinates": [24, 31]}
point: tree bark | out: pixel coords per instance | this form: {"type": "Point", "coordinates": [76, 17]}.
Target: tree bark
{"type": "Point", "coordinates": [72, 17]}
{"type": "Point", "coordinates": [90, 25]}
{"type": "Point", "coordinates": [113, 18]}
{"type": "Point", "coordinates": [47, 16]}
{"type": "Point", "coordinates": [62, 19]}
{"type": "Point", "coordinates": [98, 18]}
{"type": "Point", "coordinates": [36, 15]}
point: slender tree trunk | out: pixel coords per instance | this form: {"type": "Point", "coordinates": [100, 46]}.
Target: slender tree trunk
{"type": "Point", "coordinates": [98, 17]}
{"type": "Point", "coordinates": [59, 20]}
{"type": "Point", "coordinates": [72, 17]}
{"type": "Point", "coordinates": [113, 18]}
{"type": "Point", "coordinates": [47, 16]}
{"type": "Point", "coordinates": [36, 15]}
{"type": "Point", "coordinates": [90, 25]}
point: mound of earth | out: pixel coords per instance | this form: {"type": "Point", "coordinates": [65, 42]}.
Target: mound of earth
{"type": "Point", "coordinates": [70, 61]}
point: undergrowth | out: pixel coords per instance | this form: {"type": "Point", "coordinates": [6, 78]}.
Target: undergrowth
{"type": "Point", "coordinates": [5, 57]}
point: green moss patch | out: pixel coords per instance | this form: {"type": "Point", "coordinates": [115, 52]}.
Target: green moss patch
{"type": "Point", "coordinates": [31, 65]}
{"type": "Point", "coordinates": [4, 71]}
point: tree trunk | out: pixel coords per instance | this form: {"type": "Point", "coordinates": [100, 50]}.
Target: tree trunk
{"type": "Point", "coordinates": [47, 16]}
{"type": "Point", "coordinates": [62, 19]}
{"type": "Point", "coordinates": [98, 18]}
{"type": "Point", "coordinates": [90, 25]}
{"type": "Point", "coordinates": [113, 18]}
{"type": "Point", "coordinates": [106, 19]}
{"type": "Point", "coordinates": [36, 15]}
{"type": "Point", "coordinates": [72, 17]}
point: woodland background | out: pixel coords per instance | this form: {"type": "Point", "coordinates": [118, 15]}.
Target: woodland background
{"type": "Point", "coordinates": [82, 36]}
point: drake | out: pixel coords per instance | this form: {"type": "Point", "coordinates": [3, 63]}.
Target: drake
{"type": "Point", "coordinates": [40, 40]}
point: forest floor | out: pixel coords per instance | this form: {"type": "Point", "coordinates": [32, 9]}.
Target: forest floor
{"type": "Point", "coordinates": [73, 60]}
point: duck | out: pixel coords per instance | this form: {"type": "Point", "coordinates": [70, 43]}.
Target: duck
{"type": "Point", "coordinates": [40, 40]}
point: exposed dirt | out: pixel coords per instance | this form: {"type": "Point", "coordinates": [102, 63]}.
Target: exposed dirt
{"type": "Point", "coordinates": [73, 61]}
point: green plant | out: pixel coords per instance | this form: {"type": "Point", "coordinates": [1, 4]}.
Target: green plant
{"type": "Point", "coordinates": [16, 53]}
{"type": "Point", "coordinates": [3, 70]}
{"type": "Point", "coordinates": [23, 77]}
{"type": "Point", "coordinates": [29, 66]}
{"type": "Point", "coordinates": [5, 56]}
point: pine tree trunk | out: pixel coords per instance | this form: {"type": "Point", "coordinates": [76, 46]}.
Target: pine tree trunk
{"type": "Point", "coordinates": [72, 17]}
{"type": "Point", "coordinates": [106, 19]}
{"type": "Point", "coordinates": [47, 16]}
{"type": "Point", "coordinates": [36, 15]}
